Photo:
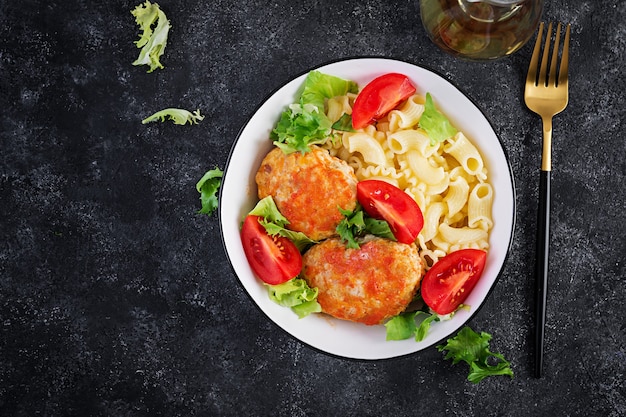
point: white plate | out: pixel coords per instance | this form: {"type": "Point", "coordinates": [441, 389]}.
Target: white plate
{"type": "Point", "coordinates": [238, 196]}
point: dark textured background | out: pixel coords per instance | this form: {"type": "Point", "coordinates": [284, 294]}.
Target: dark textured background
{"type": "Point", "coordinates": [117, 299]}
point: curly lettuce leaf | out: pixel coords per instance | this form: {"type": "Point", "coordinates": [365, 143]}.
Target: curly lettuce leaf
{"type": "Point", "coordinates": [207, 187]}
{"type": "Point", "coordinates": [356, 224]}
{"type": "Point", "coordinates": [297, 295]}
{"type": "Point", "coordinates": [152, 42]}
{"type": "Point", "coordinates": [300, 127]}
{"type": "Point", "coordinates": [436, 125]}
{"type": "Point", "coordinates": [473, 349]}
{"type": "Point", "coordinates": [274, 223]}
{"type": "Point", "coordinates": [351, 226]}
{"type": "Point", "coordinates": [178, 116]}
{"type": "Point", "coordinates": [305, 123]}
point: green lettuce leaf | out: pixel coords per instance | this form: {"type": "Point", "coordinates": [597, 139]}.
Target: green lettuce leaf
{"type": "Point", "coordinates": [207, 187]}
{"type": "Point", "coordinates": [436, 125]}
{"type": "Point", "coordinates": [266, 208]}
{"type": "Point", "coordinates": [274, 223]}
{"type": "Point", "coordinates": [378, 228]}
{"type": "Point", "coordinates": [424, 326]}
{"type": "Point", "coordinates": [403, 326]}
{"type": "Point", "coordinates": [344, 123]}
{"type": "Point", "coordinates": [356, 224]}
{"type": "Point", "coordinates": [351, 226]}
{"type": "Point", "coordinates": [300, 127]}
{"type": "Point", "coordinates": [297, 295]}
{"type": "Point", "coordinates": [305, 123]}
{"type": "Point", "coordinates": [319, 86]}
{"type": "Point", "coordinates": [179, 116]}
{"type": "Point", "coordinates": [473, 349]}
{"type": "Point", "coordinates": [152, 42]}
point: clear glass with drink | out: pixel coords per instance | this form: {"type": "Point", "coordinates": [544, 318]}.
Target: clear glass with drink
{"type": "Point", "coordinates": [480, 29]}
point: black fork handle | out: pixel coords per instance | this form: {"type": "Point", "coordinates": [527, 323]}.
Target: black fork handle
{"type": "Point", "coordinates": [541, 271]}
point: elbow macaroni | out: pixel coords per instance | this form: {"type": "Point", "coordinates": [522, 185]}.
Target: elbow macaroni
{"type": "Point", "coordinates": [448, 181]}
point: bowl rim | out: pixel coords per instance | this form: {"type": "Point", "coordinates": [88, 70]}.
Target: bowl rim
{"type": "Point", "coordinates": [511, 232]}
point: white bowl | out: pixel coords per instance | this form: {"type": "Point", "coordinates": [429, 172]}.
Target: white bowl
{"type": "Point", "coordinates": [238, 196]}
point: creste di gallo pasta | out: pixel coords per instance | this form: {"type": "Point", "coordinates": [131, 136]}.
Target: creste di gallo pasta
{"type": "Point", "coordinates": [448, 180]}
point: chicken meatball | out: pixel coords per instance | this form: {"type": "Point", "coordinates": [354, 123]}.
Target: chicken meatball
{"type": "Point", "coordinates": [366, 285]}
{"type": "Point", "coordinates": [308, 188]}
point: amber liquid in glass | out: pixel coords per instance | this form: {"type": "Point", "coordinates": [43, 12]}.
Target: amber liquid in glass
{"type": "Point", "coordinates": [480, 30]}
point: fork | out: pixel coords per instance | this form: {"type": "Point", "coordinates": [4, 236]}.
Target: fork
{"type": "Point", "coordinates": [546, 94]}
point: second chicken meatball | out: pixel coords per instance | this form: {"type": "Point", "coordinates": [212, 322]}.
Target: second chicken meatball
{"type": "Point", "coordinates": [367, 285]}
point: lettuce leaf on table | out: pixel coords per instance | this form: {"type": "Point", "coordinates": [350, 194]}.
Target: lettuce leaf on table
{"type": "Point", "coordinates": [473, 349]}
{"type": "Point", "coordinates": [178, 116]}
{"type": "Point", "coordinates": [207, 187]}
{"type": "Point", "coordinates": [151, 41]}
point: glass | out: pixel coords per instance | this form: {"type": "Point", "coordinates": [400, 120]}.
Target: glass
{"type": "Point", "coordinates": [480, 29]}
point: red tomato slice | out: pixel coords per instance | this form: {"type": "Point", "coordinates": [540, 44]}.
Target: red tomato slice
{"type": "Point", "coordinates": [448, 283]}
{"type": "Point", "coordinates": [379, 97]}
{"type": "Point", "coordinates": [382, 200]}
{"type": "Point", "coordinates": [274, 259]}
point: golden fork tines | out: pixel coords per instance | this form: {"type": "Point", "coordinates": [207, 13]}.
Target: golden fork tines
{"type": "Point", "coordinates": [545, 94]}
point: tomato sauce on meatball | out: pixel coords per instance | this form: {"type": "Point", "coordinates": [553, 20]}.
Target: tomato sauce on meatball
{"type": "Point", "coordinates": [308, 188]}
{"type": "Point", "coordinates": [367, 285]}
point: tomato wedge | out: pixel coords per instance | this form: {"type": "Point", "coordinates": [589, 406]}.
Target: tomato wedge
{"type": "Point", "coordinates": [379, 97]}
{"type": "Point", "coordinates": [274, 259]}
{"type": "Point", "coordinates": [448, 283]}
{"type": "Point", "coordinates": [385, 201]}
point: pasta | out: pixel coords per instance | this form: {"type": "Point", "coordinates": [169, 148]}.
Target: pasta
{"type": "Point", "coordinates": [466, 154]}
{"type": "Point", "coordinates": [424, 169]}
{"type": "Point", "coordinates": [404, 140]}
{"type": "Point", "coordinates": [408, 116]}
{"type": "Point", "coordinates": [337, 107]}
{"type": "Point", "coordinates": [457, 195]}
{"type": "Point", "coordinates": [448, 180]}
{"type": "Point", "coordinates": [371, 151]}
{"type": "Point", "coordinates": [479, 207]}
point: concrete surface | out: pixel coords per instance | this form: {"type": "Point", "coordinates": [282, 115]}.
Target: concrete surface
{"type": "Point", "coordinates": [116, 297]}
